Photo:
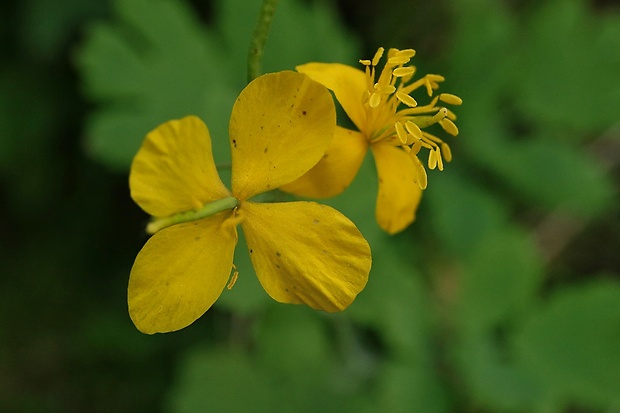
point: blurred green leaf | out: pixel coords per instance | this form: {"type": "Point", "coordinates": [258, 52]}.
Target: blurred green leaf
{"type": "Point", "coordinates": [47, 27]}
{"type": "Point", "coordinates": [570, 67]}
{"type": "Point", "coordinates": [462, 213]}
{"type": "Point", "coordinates": [293, 339]}
{"type": "Point", "coordinates": [220, 380]}
{"type": "Point", "coordinates": [406, 387]}
{"type": "Point", "coordinates": [491, 376]}
{"type": "Point", "coordinates": [572, 344]}
{"type": "Point", "coordinates": [556, 175]}
{"type": "Point", "coordinates": [154, 64]}
{"type": "Point", "coordinates": [498, 281]}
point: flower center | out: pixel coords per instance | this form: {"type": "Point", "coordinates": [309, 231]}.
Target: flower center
{"type": "Point", "coordinates": [393, 115]}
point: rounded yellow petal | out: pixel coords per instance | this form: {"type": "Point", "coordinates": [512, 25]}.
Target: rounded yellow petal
{"type": "Point", "coordinates": [306, 253]}
{"type": "Point", "coordinates": [336, 170]}
{"type": "Point", "coordinates": [280, 127]}
{"type": "Point", "coordinates": [348, 83]}
{"type": "Point", "coordinates": [180, 272]}
{"type": "Point", "coordinates": [399, 194]}
{"type": "Point", "coordinates": [174, 170]}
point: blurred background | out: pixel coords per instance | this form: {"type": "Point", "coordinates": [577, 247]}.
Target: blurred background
{"type": "Point", "coordinates": [503, 296]}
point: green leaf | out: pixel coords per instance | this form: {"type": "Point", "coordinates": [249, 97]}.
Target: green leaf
{"type": "Point", "coordinates": [153, 64]}
{"type": "Point", "coordinates": [570, 66]}
{"type": "Point", "coordinates": [293, 339]}
{"type": "Point", "coordinates": [219, 380]}
{"type": "Point", "coordinates": [572, 344]}
{"type": "Point", "coordinates": [498, 281]}
{"type": "Point", "coordinates": [492, 378]}
{"type": "Point", "coordinates": [462, 213]}
{"type": "Point", "coordinates": [553, 174]}
{"type": "Point", "coordinates": [403, 387]}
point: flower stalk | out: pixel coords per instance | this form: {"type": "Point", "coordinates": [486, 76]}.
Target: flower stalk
{"type": "Point", "coordinates": [257, 46]}
{"type": "Point", "coordinates": [207, 210]}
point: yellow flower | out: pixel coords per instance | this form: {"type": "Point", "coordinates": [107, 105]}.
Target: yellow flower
{"type": "Point", "coordinates": [390, 122]}
{"type": "Point", "coordinates": [302, 252]}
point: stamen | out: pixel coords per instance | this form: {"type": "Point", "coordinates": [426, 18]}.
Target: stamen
{"type": "Point", "coordinates": [413, 129]}
{"type": "Point", "coordinates": [384, 89]}
{"type": "Point", "coordinates": [375, 100]}
{"type": "Point", "coordinates": [447, 153]}
{"type": "Point", "coordinates": [400, 131]}
{"type": "Point", "coordinates": [421, 172]}
{"type": "Point", "coordinates": [403, 71]}
{"type": "Point", "coordinates": [378, 55]}
{"type": "Point", "coordinates": [439, 160]}
{"type": "Point", "coordinates": [450, 99]}
{"type": "Point", "coordinates": [365, 62]}
{"type": "Point", "coordinates": [233, 278]}
{"type": "Point", "coordinates": [432, 160]}
{"type": "Point", "coordinates": [449, 126]}
{"type": "Point", "coordinates": [406, 99]}
{"type": "Point", "coordinates": [415, 149]}
{"type": "Point", "coordinates": [408, 53]}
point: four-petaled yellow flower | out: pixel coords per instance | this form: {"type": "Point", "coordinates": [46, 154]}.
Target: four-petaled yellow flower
{"type": "Point", "coordinates": [391, 123]}
{"type": "Point", "coordinates": [302, 252]}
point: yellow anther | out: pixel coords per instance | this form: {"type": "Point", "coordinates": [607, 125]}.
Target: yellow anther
{"type": "Point", "coordinates": [429, 86]}
{"type": "Point", "coordinates": [407, 53]}
{"type": "Point", "coordinates": [384, 89]}
{"type": "Point", "coordinates": [439, 160]}
{"type": "Point", "coordinates": [400, 131]}
{"type": "Point", "coordinates": [398, 60]}
{"type": "Point", "coordinates": [450, 99]}
{"type": "Point", "coordinates": [403, 71]}
{"type": "Point", "coordinates": [375, 60]}
{"type": "Point", "coordinates": [414, 129]}
{"type": "Point", "coordinates": [406, 99]}
{"type": "Point", "coordinates": [233, 278]}
{"type": "Point", "coordinates": [447, 153]}
{"type": "Point", "coordinates": [375, 100]}
{"type": "Point", "coordinates": [365, 62]}
{"type": "Point", "coordinates": [422, 178]}
{"type": "Point", "coordinates": [435, 78]}
{"type": "Point", "coordinates": [415, 149]}
{"type": "Point", "coordinates": [449, 126]}
{"type": "Point", "coordinates": [432, 160]}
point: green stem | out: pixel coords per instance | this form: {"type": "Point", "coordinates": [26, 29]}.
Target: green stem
{"type": "Point", "coordinates": [255, 54]}
{"type": "Point", "coordinates": [207, 210]}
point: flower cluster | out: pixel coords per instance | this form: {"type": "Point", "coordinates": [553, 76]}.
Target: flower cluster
{"type": "Point", "coordinates": [282, 134]}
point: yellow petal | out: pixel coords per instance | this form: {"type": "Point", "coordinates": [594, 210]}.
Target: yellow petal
{"type": "Point", "coordinates": [174, 170]}
{"type": "Point", "coordinates": [336, 170]}
{"type": "Point", "coordinates": [347, 83]}
{"type": "Point", "coordinates": [399, 194]}
{"type": "Point", "coordinates": [179, 273]}
{"type": "Point", "coordinates": [280, 127]}
{"type": "Point", "coordinates": [306, 253]}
